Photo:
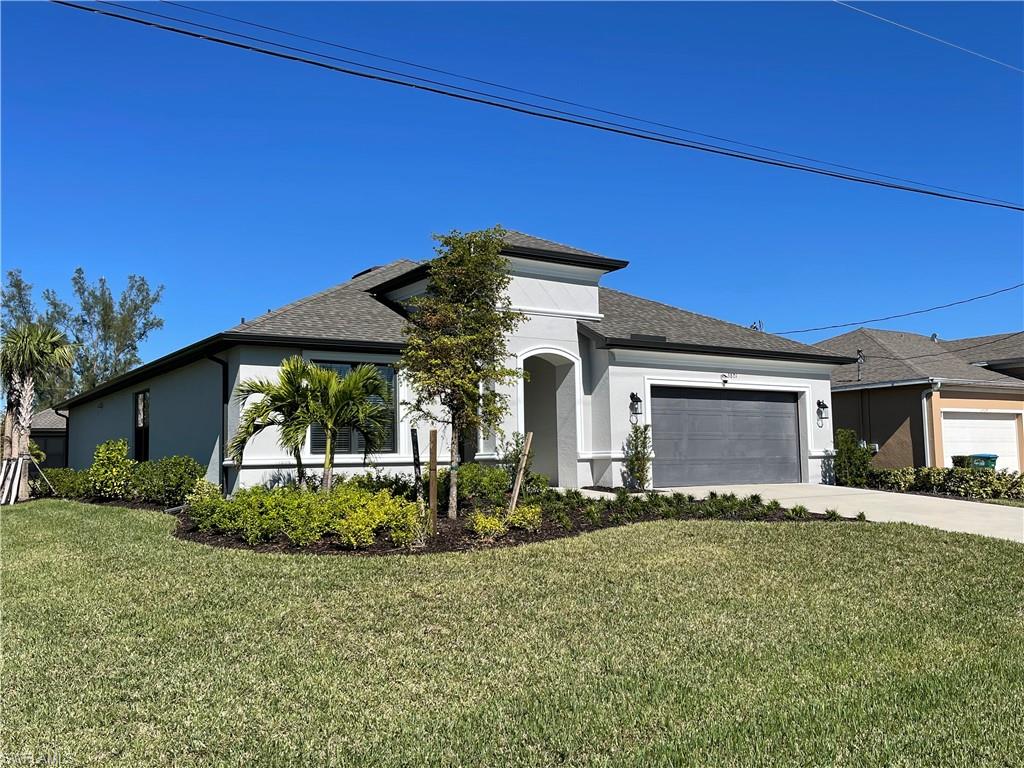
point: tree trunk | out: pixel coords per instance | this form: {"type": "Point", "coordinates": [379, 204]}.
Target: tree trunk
{"type": "Point", "coordinates": [453, 475]}
{"type": "Point", "coordinates": [300, 471]}
{"type": "Point", "coordinates": [328, 461]}
{"type": "Point", "coordinates": [6, 451]}
{"type": "Point", "coordinates": [26, 405]}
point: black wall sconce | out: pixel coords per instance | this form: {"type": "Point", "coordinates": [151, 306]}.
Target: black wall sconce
{"type": "Point", "coordinates": [636, 407]}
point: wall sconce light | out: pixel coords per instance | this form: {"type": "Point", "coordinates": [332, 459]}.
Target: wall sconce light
{"type": "Point", "coordinates": [822, 409]}
{"type": "Point", "coordinates": [636, 407]}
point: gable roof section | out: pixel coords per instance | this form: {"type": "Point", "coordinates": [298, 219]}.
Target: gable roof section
{"type": "Point", "coordinates": [633, 322]}
{"type": "Point", "coordinates": [996, 348]}
{"type": "Point", "coordinates": [892, 357]}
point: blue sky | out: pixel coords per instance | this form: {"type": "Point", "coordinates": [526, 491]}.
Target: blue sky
{"type": "Point", "coordinates": [242, 183]}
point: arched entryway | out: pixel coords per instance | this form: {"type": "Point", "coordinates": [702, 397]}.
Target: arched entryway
{"type": "Point", "coordinates": [549, 411]}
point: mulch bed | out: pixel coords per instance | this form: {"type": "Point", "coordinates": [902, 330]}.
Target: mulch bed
{"type": "Point", "coordinates": [452, 536]}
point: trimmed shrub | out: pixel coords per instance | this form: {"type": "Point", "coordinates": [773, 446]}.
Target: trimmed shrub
{"type": "Point", "coordinates": [400, 485]}
{"type": "Point", "coordinates": [969, 483]}
{"type": "Point", "coordinates": [486, 526]}
{"type": "Point", "coordinates": [524, 516]}
{"type": "Point", "coordinates": [637, 461]}
{"type": "Point", "coordinates": [1008, 485]}
{"type": "Point", "coordinates": [111, 472]}
{"type": "Point", "coordinates": [483, 486]}
{"type": "Point", "coordinates": [930, 479]}
{"type": "Point", "coordinates": [898, 480]}
{"type": "Point", "coordinates": [851, 461]}
{"type": "Point", "coordinates": [67, 484]}
{"type": "Point", "coordinates": [352, 514]}
{"type": "Point", "coordinates": [165, 481]}
{"type": "Point", "coordinates": [798, 512]}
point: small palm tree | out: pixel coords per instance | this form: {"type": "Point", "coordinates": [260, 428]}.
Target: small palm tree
{"type": "Point", "coordinates": [28, 354]}
{"type": "Point", "coordinates": [281, 404]}
{"type": "Point", "coordinates": [360, 400]}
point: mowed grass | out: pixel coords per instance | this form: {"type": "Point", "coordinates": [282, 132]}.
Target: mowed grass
{"type": "Point", "coordinates": [657, 644]}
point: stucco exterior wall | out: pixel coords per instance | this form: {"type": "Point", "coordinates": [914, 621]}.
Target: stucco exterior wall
{"type": "Point", "coordinates": [185, 409]}
{"type": "Point", "coordinates": [891, 417]}
{"type": "Point", "coordinates": [958, 399]}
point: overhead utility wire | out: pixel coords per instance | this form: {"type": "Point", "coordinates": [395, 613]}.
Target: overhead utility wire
{"type": "Point", "coordinates": [567, 102]}
{"type": "Point", "coordinates": [903, 314]}
{"type": "Point", "coordinates": [536, 112]}
{"type": "Point", "coordinates": [930, 37]}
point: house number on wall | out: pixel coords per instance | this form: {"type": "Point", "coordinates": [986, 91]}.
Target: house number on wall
{"type": "Point", "coordinates": [727, 376]}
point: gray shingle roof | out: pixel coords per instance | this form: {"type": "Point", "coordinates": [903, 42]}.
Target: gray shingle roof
{"type": "Point", "coordinates": [626, 315]}
{"type": "Point", "coordinates": [48, 419]}
{"type": "Point", "coordinates": [982, 349]}
{"type": "Point", "coordinates": [522, 240]}
{"type": "Point", "coordinates": [345, 312]}
{"type": "Point", "coordinates": [893, 356]}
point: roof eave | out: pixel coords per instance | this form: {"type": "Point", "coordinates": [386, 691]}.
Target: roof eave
{"type": "Point", "coordinates": [703, 349]}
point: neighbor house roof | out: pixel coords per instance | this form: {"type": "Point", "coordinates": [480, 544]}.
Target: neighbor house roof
{"type": "Point", "coordinates": [48, 419]}
{"type": "Point", "coordinates": [893, 357]}
{"type": "Point", "coordinates": [632, 322]}
{"type": "Point", "coordinates": [998, 347]}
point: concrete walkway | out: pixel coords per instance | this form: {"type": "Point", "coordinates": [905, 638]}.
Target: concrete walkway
{"type": "Point", "coordinates": [993, 520]}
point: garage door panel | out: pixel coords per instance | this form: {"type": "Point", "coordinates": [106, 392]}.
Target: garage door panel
{"type": "Point", "coordinates": [704, 436]}
{"type": "Point", "coordinates": [967, 432]}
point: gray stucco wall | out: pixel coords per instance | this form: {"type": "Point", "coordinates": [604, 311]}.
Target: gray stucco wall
{"type": "Point", "coordinates": [185, 412]}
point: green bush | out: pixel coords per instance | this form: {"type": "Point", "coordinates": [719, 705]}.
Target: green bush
{"type": "Point", "coordinates": [637, 461]}
{"type": "Point", "coordinates": [67, 484]}
{"type": "Point", "coordinates": [961, 461]}
{"type": "Point", "coordinates": [970, 483]}
{"type": "Point", "coordinates": [352, 514]}
{"type": "Point", "coordinates": [399, 485]}
{"type": "Point", "coordinates": [851, 461]}
{"type": "Point", "coordinates": [483, 486]}
{"type": "Point", "coordinates": [798, 512]}
{"type": "Point", "coordinates": [525, 516]}
{"type": "Point", "coordinates": [485, 525]}
{"type": "Point", "coordinates": [1008, 485]}
{"type": "Point", "coordinates": [166, 481]}
{"type": "Point", "coordinates": [898, 480]}
{"type": "Point", "coordinates": [930, 479]}
{"type": "Point", "coordinates": [111, 472]}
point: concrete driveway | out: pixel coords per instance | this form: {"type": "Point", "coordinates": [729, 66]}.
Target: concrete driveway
{"type": "Point", "coordinates": [992, 520]}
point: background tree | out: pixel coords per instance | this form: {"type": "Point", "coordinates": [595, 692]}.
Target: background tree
{"type": "Point", "coordinates": [29, 353]}
{"type": "Point", "coordinates": [456, 350]}
{"type": "Point", "coordinates": [360, 400]}
{"type": "Point", "coordinates": [281, 404]}
{"type": "Point", "coordinates": [106, 331]}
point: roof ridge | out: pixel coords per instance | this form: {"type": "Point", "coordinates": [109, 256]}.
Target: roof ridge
{"type": "Point", "coordinates": [547, 240]}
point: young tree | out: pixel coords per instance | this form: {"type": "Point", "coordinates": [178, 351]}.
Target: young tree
{"type": "Point", "coordinates": [456, 340]}
{"type": "Point", "coordinates": [359, 400]}
{"type": "Point", "coordinates": [106, 331]}
{"type": "Point", "coordinates": [281, 404]}
{"type": "Point", "coordinates": [29, 353]}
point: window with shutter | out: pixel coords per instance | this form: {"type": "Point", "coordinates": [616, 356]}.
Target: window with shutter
{"type": "Point", "coordinates": [350, 441]}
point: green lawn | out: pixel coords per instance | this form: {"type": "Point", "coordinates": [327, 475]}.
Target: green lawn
{"type": "Point", "coordinates": [1006, 502]}
{"type": "Point", "coordinates": [660, 644]}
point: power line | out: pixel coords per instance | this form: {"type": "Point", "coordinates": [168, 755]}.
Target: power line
{"type": "Point", "coordinates": [930, 37]}
{"type": "Point", "coordinates": [546, 97]}
{"type": "Point", "coordinates": [902, 314]}
{"type": "Point", "coordinates": [535, 111]}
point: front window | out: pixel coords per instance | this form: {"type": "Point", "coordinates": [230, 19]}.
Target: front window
{"type": "Point", "coordinates": [350, 441]}
{"type": "Point", "coordinates": [141, 442]}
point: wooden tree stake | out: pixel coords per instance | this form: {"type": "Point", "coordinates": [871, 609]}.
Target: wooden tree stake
{"type": "Point", "coordinates": [433, 482]}
{"type": "Point", "coordinates": [519, 472]}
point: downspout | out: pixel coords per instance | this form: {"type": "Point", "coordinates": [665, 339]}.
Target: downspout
{"type": "Point", "coordinates": [67, 436]}
{"type": "Point", "coordinates": [926, 411]}
{"type": "Point", "coordinates": [225, 397]}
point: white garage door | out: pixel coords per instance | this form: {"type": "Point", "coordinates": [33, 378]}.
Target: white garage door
{"type": "Point", "coordinates": [964, 433]}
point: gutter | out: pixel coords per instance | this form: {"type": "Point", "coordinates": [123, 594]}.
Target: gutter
{"type": "Point", "coordinates": [926, 397]}
{"type": "Point", "coordinates": [67, 435]}
{"type": "Point", "coordinates": [225, 395]}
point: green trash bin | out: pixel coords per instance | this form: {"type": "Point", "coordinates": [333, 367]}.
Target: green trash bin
{"type": "Point", "coordinates": [983, 460]}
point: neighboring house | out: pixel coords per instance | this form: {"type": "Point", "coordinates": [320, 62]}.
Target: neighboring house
{"type": "Point", "coordinates": [923, 400]}
{"type": "Point", "coordinates": [726, 403]}
{"type": "Point", "coordinates": [50, 433]}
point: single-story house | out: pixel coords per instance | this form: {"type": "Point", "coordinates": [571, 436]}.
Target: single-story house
{"type": "Point", "coordinates": [923, 400]}
{"type": "Point", "coordinates": [725, 403]}
{"type": "Point", "coordinates": [50, 432]}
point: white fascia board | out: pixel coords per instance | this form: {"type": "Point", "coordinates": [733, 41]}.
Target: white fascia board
{"type": "Point", "coordinates": [882, 385]}
{"type": "Point", "coordinates": [715, 363]}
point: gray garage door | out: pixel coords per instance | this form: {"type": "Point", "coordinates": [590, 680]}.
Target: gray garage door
{"type": "Point", "coordinates": [708, 436]}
